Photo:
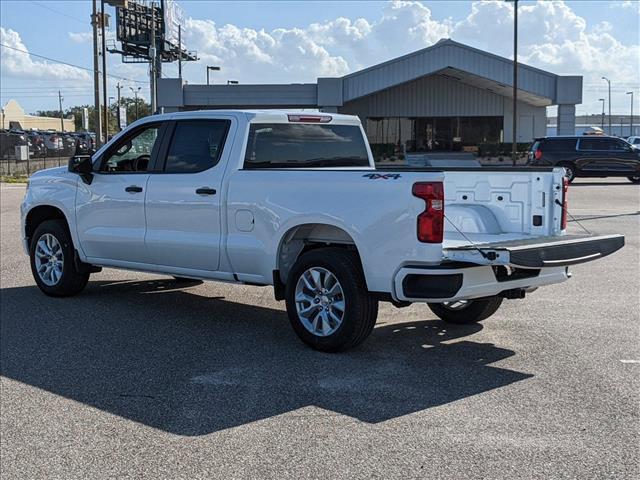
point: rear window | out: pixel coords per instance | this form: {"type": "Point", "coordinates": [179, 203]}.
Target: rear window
{"type": "Point", "coordinates": [558, 144]}
{"type": "Point", "coordinates": [291, 145]}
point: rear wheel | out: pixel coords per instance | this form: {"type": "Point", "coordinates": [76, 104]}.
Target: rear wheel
{"type": "Point", "coordinates": [328, 303]}
{"type": "Point", "coordinates": [52, 260]}
{"type": "Point", "coordinates": [466, 311]}
{"type": "Point", "coordinates": [570, 171]}
{"type": "Point", "coordinates": [634, 179]}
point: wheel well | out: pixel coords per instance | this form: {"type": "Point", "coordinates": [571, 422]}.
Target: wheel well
{"type": "Point", "coordinates": [40, 214]}
{"type": "Point", "coordinates": [301, 239]}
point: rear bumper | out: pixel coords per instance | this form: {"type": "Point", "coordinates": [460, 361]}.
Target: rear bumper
{"type": "Point", "coordinates": [541, 252]}
{"type": "Point", "coordinates": [442, 284]}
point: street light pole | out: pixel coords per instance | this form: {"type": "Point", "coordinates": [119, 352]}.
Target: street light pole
{"type": "Point", "coordinates": [602, 118]}
{"type": "Point", "coordinates": [514, 140]}
{"type": "Point", "coordinates": [60, 98]}
{"type": "Point", "coordinates": [211, 68]}
{"type": "Point", "coordinates": [609, 82]}
{"type": "Point", "coordinates": [631, 119]}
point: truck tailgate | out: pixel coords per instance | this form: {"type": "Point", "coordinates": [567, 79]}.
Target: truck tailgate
{"type": "Point", "coordinates": [538, 252]}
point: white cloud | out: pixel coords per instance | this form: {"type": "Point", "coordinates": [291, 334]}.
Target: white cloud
{"type": "Point", "coordinates": [81, 37]}
{"type": "Point", "coordinates": [633, 5]}
{"type": "Point", "coordinates": [19, 64]}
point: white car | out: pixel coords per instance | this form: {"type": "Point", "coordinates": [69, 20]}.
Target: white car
{"type": "Point", "coordinates": [634, 141]}
{"type": "Point", "coordinates": [294, 200]}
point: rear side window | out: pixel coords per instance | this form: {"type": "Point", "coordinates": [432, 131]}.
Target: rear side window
{"type": "Point", "coordinates": [559, 145]}
{"type": "Point", "coordinates": [288, 145]}
{"type": "Point", "coordinates": [595, 144]}
{"type": "Point", "coordinates": [196, 145]}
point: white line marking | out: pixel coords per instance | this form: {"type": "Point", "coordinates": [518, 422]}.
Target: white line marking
{"type": "Point", "coordinates": [630, 361]}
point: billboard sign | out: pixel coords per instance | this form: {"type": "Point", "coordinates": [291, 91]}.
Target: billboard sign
{"type": "Point", "coordinates": [173, 18]}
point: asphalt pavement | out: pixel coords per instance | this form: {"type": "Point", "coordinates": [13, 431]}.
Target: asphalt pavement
{"type": "Point", "coordinates": [143, 377]}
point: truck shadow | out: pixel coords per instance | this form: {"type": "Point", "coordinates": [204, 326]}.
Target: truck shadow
{"type": "Point", "coordinates": [163, 356]}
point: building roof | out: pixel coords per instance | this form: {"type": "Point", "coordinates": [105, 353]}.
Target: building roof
{"type": "Point", "coordinates": [461, 63]}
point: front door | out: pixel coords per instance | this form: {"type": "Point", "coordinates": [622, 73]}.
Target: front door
{"type": "Point", "coordinates": [110, 214]}
{"type": "Point", "coordinates": [184, 194]}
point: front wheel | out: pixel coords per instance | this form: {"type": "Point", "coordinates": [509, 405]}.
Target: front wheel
{"type": "Point", "coordinates": [633, 179]}
{"type": "Point", "coordinates": [466, 311]}
{"type": "Point", "coordinates": [328, 303]}
{"type": "Point", "coordinates": [52, 260]}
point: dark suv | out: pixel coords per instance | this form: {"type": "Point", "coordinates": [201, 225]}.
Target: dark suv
{"type": "Point", "coordinates": [587, 156]}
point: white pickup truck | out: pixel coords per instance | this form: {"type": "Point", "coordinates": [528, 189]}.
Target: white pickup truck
{"type": "Point", "coordinates": [294, 200]}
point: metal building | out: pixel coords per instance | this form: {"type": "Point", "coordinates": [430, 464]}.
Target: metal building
{"type": "Point", "coordinates": [447, 97]}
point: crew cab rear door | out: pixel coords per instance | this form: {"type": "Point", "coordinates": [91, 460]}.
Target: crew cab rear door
{"type": "Point", "coordinates": [538, 252]}
{"type": "Point", "coordinates": [183, 201]}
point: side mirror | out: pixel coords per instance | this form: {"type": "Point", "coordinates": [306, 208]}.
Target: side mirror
{"type": "Point", "coordinates": [82, 165]}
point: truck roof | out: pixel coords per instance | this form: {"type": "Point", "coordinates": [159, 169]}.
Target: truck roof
{"type": "Point", "coordinates": [259, 116]}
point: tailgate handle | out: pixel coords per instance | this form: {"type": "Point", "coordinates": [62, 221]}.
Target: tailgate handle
{"type": "Point", "coordinates": [578, 259]}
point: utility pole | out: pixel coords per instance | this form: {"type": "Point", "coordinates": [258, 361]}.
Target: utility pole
{"type": "Point", "coordinates": [119, 87]}
{"type": "Point", "coordinates": [609, 82]}
{"type": "Point", "coordinates": [96, 76]}
{"type": "Point", "coordinates": [602, 118]}
{"type": "Point", "coordinates": [61, 115]}
{"type": "Point", "coordinates": [135, 93]}
{"type": "Point", "coordinates": [631, 119]}
{"type": "Point", "coordinates": [514, 140]}
{"type": "Point", "coordinates": [180, 52]}
{"type": "Point", "coordinates": [103, 20]}
{"type": "Point", "coordinates": [152, 59]}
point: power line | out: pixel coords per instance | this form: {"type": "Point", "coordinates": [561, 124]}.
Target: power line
{"type": "Point", "coordinates": [60, 13]}
{"type": "Point", "coordinates": [66, 63]}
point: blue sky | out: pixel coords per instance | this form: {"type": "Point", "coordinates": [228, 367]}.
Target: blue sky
{"type": "Point", "coordinates": [298, 41]}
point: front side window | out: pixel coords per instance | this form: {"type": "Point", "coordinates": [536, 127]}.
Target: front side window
{"type": "Point", "coordinates": [619, 145]}
{"type": "Point", "coordinates": [133, 153]}
{"type": "Point", "coordinates": [196, 145]}
{"type": "Point", "coordinates": [302, 145]}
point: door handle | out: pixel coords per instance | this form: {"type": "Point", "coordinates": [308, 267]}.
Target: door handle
{"type": "Point", "coordinates": [206, 191]}
{"type": "Point", "coordinates": [133, 189]}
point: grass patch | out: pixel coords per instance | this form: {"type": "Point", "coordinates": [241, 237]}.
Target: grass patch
{"type": "Point", "coordinates": [13, 178]}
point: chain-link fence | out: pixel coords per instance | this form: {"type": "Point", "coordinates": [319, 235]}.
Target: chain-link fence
{"type": "Point", "coordinates": [12, 167]}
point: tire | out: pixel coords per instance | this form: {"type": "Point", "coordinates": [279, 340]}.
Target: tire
{"type": "Point", "coordinates": [570, 171]}
{"type": "Point", "coordinates": [319, 329]}
{"type": "Point", "coordinates": [69, 280]}
{"type": "Point", "coordinates": [475, 310]}
{"type": "Point", "coordinates": [634, 179]}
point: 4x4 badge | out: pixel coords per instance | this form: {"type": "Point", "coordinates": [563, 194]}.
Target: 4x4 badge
{"type": "Point", "coordinates": [382, 176]}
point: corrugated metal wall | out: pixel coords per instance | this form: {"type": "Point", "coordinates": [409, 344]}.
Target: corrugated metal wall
{"type": "Point", "coordinates": [428, 96]}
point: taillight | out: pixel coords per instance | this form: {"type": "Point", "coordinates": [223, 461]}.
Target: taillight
{"type": "Point", "coordinates": [565, 191]}
{"type": "Point", "coordinates": [538, 154]}
{"type": "Point", "coordinates": [431, 221]}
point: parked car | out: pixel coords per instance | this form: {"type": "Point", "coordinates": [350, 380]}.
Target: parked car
{"type": "Point", "coordinates": [587, 156]}
{"type": "Point", "coordinates": [37, 148]}
{"type": "Point", "coordinates": [53, 142]}
{"type": "Point", "coordinates": [635, 141]}
{"type": "Point", "coordinates": [86, 143]}
{"type": "Point", "coordinates": [9, 140]}
{"type": "Point", "coordinates": [294, 200]}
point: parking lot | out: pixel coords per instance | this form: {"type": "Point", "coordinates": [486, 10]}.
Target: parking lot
{"type": "Point", "coordinates": [140, 376]}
